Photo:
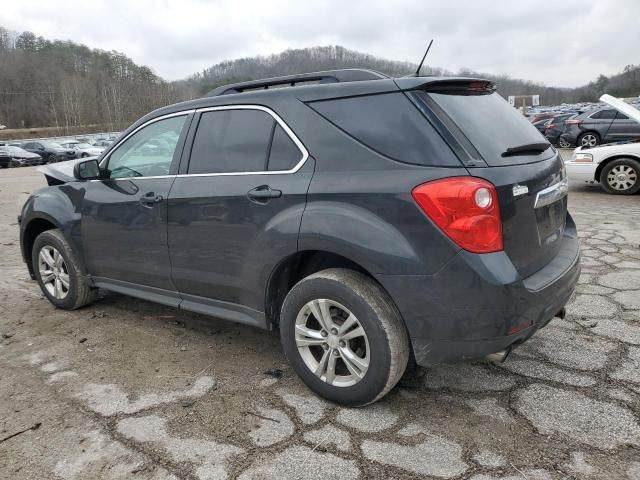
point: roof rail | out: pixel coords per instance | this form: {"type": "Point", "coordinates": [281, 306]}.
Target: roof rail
{"type": "Point", "coordinates": [329, 76]}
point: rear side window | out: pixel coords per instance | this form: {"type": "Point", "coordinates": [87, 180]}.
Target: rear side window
{"type": "Point", "coordinates": [609, 115]}
{"type": "Point", "coordinates": [391, 125]}
{"type": "Point", "coordinates": [284, 154]}
{"type": "Point", "coordinates": [229, 141]}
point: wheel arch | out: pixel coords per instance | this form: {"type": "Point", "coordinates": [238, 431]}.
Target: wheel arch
{"type": "Point", "coordinates": [297, 266]}
{"type": "Point", "coordinates": [34, 227]}
{"type": "Point", "coordinates": [586, 132]}
{"type": "Point", "coordinates": [618, 156]}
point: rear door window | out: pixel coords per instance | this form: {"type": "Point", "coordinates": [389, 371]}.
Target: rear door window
{"type": "Point", "coordinates": [231, 141]}
{"type": "Point", "coordinates": [604, 115]}
{"type": "Point", "coordinates": [284, 154]}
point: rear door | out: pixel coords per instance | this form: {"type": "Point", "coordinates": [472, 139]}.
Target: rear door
{"type": "Point", "coordinates": [624, 128]}
{"type": "Point", "coordinates": [236, 207]}
{"type": "Point", "coordinates": [505, 149]}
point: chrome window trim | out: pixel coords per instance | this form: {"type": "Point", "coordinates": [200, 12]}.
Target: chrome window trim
{"type": "Point", "coordinates": [274, 115]}
{"type": "Point", "coordinates": [552, 194]}
{"type": "Point", "coordinates": [145, 124]}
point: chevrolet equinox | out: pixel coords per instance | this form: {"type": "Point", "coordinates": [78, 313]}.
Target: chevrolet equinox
{"type": "Point", "coordinates": [374, 221]}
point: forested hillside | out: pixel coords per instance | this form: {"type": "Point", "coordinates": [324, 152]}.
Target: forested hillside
{"type": "Point", "coordinates": [65, 84]}
{"type": "Point", "coordinates": [625, 84]}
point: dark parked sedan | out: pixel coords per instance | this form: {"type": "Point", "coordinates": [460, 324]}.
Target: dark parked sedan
{"type": "Point", "coordinates": [541, 125]}
{"type": "Point", "coordinates": [555, 127]}
{"type": "Point", "coordinates": [51, 151]}
{"type": "Point", "coordinates": [604, 125]}
{"type": "Point", "coordinates": [11, 156]}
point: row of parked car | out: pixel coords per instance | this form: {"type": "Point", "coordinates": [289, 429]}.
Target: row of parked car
{"type": "Point", "coordinates": [588, 128]}
{"type": "Point", "coordinates": [40, 152]}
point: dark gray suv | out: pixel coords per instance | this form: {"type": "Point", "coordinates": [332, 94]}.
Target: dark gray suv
{"type": "Point", "coordinates": [595, 127]}
{"type": "Point", "coordinates": [376, 222]}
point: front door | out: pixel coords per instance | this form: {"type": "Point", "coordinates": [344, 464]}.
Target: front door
{"type": "Point", "coordinates": [124, 227]}
{"type": "Point", "coordinates": [236, 210]}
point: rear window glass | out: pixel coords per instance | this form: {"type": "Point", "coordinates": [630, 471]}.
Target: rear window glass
{"type": "Point", "coordinates": [231, 141]}
{"type": "Point", "coordinates": [489, 122]}
{"type": "Point", "coordinates": [604, 115]}
{"type": "Point", "coordinates": [284, 154]}
{"type": "Point", "coordinates": [391, 125]}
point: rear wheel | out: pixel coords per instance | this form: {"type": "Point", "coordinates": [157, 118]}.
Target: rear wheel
{"type": "Point", "coordinates": [589, 139]}
{"type": "Point", "coordinates": [562, 143]}
{"type": "Point", "coordinates": [621, 176]}
{"type": "Point", "coordinates": [58, 272]}
{"type": "Point", "coordinates": [344, 337]}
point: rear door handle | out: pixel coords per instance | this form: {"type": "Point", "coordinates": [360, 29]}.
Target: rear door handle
{"type": "Point", "coordinates": [150, 198]}
{"type": "Point", "coordinates": [263, 194]}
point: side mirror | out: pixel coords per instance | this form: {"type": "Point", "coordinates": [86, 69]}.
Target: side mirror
{"type": "Point", "coordinates": [87, 170]}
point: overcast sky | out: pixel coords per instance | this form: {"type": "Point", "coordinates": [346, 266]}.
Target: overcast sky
{"type": "Point", "coordinates": [559, 43]}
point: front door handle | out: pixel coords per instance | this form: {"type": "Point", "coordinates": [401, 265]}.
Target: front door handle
{"type": "Point", "coordinates": [150, 198]}
{"type": "Point", "coordinates": [263, 194]}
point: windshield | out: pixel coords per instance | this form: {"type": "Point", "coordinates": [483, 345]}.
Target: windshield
{"type": "Point", "coordinates": [52, 145]}
{"type": "Point", "coordinates": [491, 124]}
{"type": "Point", "coordinates": [84, 145]}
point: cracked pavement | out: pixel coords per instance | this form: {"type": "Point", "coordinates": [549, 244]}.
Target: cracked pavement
{"type": "Point", "coordinates": [128, 389]}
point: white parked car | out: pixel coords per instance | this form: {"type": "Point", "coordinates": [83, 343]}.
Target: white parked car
{"type": "Point", "coordinates": [616, 166]}
{"type": "Point", "coordinates": [84, 149]}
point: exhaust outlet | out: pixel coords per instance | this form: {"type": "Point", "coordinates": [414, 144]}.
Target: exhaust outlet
{"type": "Point", "coordinates": [497, 357]}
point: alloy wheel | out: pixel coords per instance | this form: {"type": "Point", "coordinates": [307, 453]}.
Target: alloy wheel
{"type": "Point", "coordinates": [589, 140]}
{"type": "Point", "coordinates": [563, 143]}
{"type": "Point", "coordinates": [622, 177]}
{"type": "Point", "coordinates": [53, 272]}
{"type": "Point", "coordinates": [332, 342]}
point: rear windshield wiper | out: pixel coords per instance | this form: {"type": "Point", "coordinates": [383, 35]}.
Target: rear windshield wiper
{"type": "Point", "coordinates": [528, 148]}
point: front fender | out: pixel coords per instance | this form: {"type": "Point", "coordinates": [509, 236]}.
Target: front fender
{"type": "Point", "coordinates": [58, 205]}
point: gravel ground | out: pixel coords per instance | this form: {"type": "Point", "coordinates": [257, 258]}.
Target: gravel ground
{"type": "Point", "coordinates": [128, 389]}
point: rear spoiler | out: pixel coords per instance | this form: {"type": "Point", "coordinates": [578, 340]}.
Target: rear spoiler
{"type": "Point", "coordinates": [448, 85]}
{"type": "Point", "coordinates": [621, 106]}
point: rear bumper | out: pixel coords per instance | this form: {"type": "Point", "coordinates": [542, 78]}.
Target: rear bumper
{"type": "Point", "coordinates": [477, 304]}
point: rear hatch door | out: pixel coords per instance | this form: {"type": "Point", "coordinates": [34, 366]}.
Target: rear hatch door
{"type": "Point", "coordinates": [497, 143]}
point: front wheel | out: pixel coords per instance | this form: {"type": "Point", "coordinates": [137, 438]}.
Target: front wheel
{"type": "Point", "coordinates": [621, 176]}
{"type": "Point", "coordinates": [344, 336]}
{"type": "Point", "coordinates": [58, 272]}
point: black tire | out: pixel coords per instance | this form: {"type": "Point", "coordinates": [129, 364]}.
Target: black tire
{"type": "Point", "coordinates": [590, 139]}
{"type": "Point", "coordinates": [84, 155]}
{"type": "Point", "coordinates": [562, 143]}
{"type": "Point", "coordinates": [616, 185]}
{"type": "Point", "coordinates": [388, 341]}
{"type": "Point", "coordinates": [79, 292]}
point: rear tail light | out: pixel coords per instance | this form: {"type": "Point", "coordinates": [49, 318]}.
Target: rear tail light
{"type": "Point", "coordinates": [573, 122]}
{"type": "Point", "coordinates": [465, 209]}
{"type": "Point", "coordinates": [551, 125]}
